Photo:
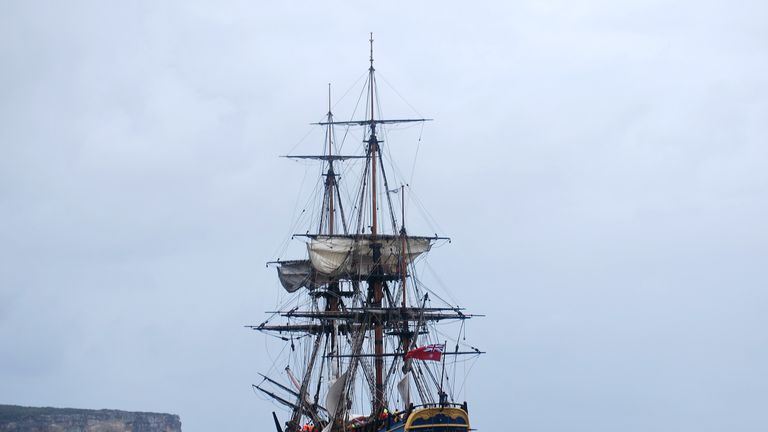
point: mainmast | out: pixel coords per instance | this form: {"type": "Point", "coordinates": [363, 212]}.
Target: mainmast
{"type": "Point", "coordinates": [375, 281]}
{"type": "Point", "coordinates": [331, 179]}
{"type": "Point", "coordinates": [405, 337]}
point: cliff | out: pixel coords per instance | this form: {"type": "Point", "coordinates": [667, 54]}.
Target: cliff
{"type": "Point", "coordinates": [27, 419]}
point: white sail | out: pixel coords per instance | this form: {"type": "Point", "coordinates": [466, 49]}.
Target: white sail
{"type": "Point", "coordinates": [335, 256]}
{"type": "Point", "coordinates": [404, 388]}
{"type": "Point", "coordinates": [335, 394]}
{"type": "Point", "coordinates": [293, 379]}
{"type": "Point", "coordinates": [298, 274]}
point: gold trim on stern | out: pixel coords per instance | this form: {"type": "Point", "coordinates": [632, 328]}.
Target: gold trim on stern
{"type": "Point", "coordinates": [427, 413]}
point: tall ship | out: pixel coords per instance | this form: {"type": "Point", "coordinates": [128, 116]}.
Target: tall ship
{"type": "Point", "coordinates": [366, 345]}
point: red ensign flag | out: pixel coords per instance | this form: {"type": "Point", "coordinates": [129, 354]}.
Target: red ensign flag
{"type": "Point", "coordinates": [428, 352]}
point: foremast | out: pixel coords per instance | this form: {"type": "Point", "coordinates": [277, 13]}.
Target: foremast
{"type": "Point", "coordinates": [325, 287]}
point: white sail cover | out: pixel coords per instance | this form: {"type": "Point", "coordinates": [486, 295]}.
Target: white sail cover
{"type": "Point", "coordinates": [404, 388]}
{"type": "Point", "coordinates": [336, 394]}
{"type": "Point", "coordinates": [297, 274]}
{"type": "Point", "coordinates": [335, 256]}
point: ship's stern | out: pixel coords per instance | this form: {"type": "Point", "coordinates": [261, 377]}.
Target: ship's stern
{"type": "Point", "coordinates": [437, 419]}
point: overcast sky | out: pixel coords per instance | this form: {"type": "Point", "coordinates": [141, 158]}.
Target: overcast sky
{"type": "Point", "coordinates": [601, 167]}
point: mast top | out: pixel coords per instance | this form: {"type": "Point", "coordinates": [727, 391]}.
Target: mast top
{"type": "Point", "coordinates": [371, 58]}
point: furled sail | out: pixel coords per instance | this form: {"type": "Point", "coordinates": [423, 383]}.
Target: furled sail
{"type": "Point", "coordinates": [335, 255]}
{"type": "Point", "coordinates": [336, 394]}
{"type": "Point", "coordinates": [297, 274]}
{"type": "Point", "coordinates": [404, 388]}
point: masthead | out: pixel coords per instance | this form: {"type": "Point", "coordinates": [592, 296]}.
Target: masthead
{"type": "Point", "coordinates": [371, 58]}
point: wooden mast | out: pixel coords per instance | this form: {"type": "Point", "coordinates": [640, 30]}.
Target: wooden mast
{"type": "Point", "coordinates": [375, 283]}
{"type": "Point", "coordinates": [403, 270]}
{"type": "Point", "coordinates": [373, 142]}
{"type": "Point", "coordinates": [331, 175]}
{"type": "Point", "coordinates": [405, 337]}
{"type": "Point", "coordinates": [333, 292]}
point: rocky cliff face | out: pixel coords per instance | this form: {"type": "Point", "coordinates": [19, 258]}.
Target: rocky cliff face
{"type": "Point", "coordinates": [26, 419]}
